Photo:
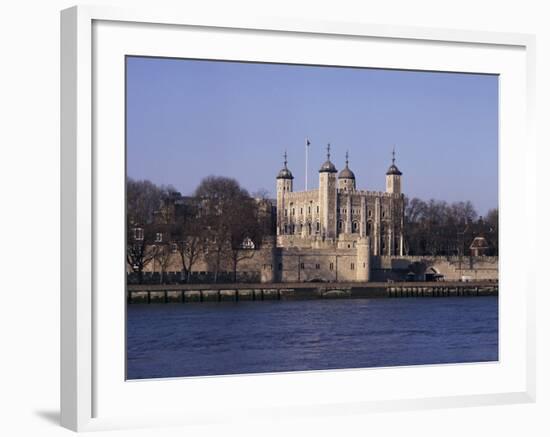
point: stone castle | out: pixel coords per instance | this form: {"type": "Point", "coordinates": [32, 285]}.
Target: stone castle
{"type": "Point", "coordinates": [335, 229]}
{"type": "Point", "coordinates": [339, 233]}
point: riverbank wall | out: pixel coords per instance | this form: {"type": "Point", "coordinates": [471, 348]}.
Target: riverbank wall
{"type": "Point", "coordinates": [189, 293]}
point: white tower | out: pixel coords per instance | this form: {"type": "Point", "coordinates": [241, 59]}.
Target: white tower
{"type": "Point", "coordinates": [327, 198]}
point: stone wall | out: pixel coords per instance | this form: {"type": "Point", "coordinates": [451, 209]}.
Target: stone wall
{"type": "Point", "coordinates": [451, 268]}
{"type": "Point", "coordinates": [327, 265]}
{"type": "Point", "coordinates": [272, 264]}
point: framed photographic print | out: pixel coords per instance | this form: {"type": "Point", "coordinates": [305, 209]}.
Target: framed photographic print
{"type": "Point", "coordinates": [291, 218]}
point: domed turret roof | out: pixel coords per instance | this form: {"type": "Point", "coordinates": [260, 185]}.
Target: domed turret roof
{"type": "Point", "coordinates": [393, 170]}
{"type": "Point", "coordinates": [285, 173]}
{"type": "Point", "coordinates": [346, 173]}
{"type": "Point", "coordinates": [328, 166]}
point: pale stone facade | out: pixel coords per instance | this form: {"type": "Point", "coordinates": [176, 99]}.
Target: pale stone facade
{"type": "Point", "coordinates": [336, 220]}
{"type": "Point", "coordinates": [338, 215]}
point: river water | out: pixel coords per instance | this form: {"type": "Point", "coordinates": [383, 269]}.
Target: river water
{"type": "Point", "coordinates": [172, 340]}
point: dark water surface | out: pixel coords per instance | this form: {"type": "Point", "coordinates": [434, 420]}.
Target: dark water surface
{"type": "Point", "coordinates": [169, 340]}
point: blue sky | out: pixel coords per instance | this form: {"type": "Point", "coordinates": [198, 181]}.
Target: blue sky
{"type": "Point", "coordinates": [187, 119]}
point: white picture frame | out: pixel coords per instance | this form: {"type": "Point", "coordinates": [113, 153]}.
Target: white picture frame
{"type": "Point", "coordinates": [86, 378]}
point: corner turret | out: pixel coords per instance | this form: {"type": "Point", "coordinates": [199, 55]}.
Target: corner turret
{"type": "Point", "coordinates": [393, 177]}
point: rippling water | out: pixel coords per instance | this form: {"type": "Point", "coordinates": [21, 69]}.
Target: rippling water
{"type": "Point", "coordinates": [170, 340]}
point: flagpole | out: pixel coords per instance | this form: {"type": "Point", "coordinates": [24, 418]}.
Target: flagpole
{"type": "Point", "coordinates": [307, 150]}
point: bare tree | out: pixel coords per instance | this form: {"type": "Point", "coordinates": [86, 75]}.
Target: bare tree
{"type": "Point", "coordinates": [437, 228]}
{"type": "Point", "coordinates": [142, 200]}
{"type": "Point", "coordinates": [139, 249]}
{"type": "Point", "coordinates": [162, 256]}
{"type": "Point", "coordinates": [188, 236]}
{"type": "Point", "coordinates": [233, 221]}
{"type": "Point", "coordinates": [246, 230]}
{"type": "Point", "coordinates": [491, 220]}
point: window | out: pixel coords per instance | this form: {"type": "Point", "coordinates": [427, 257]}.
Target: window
{"type": "Point", "coordinates": [248, 243]}
{"type": "Point", "coordinates": [318, 227]}
{"type": "Point", "coordinates": [309, 209]}
{"type": "Point", "coordinates": [340, 225]}
{"type": "Point", "coordinates": [286, 212]}
{"type": "Point", "coordinates": [331, 266]}
{"type": "Point", "coordinates": [355, 227]}
{"type": "Point", "coordinates": [317, 266]}
{"type": "Point", "coordinates": [317, 209]}
{"type": "Point", "coordinates": [174, 247]}
{"type": "Point", "coordinates": [158, 237]}
{"type": "Point", "coordinates": [352, 266]}
{"type": "Point", "coordinates": [293, 211]}
{"type": "Point", "coordinates": [302, 266]}
{"type": "Point", "coordinates": [370, 213]}
{"type": "Point", "coordinates": [301, 211]}
{"type": "Point", "coordinates": [138, 234]}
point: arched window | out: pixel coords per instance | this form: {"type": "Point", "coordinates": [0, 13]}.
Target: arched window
{"type": "Point", "coordinates": [355, 227]}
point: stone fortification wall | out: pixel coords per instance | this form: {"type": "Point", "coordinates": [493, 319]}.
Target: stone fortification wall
{"type": "Point", "coordinates": [331, 264]}
{"type": "Point", "coordinates": [451, 268]}
{"type": "Point", "coordinates": [326, 265]}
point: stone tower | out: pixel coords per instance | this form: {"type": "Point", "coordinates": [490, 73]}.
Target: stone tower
{"type": "Point", "coordinates": [284, 186]}
{"type": "Point", "coordinates": [268, 259]}
{"type": "Point", "coordinates": [346, 178]}
{"type": "Point", "coordinates": [363, 259]}
{"type": "Point", "coordinates": [393, 177]}
{"type": "Point", "coordinates": [327, 198]}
